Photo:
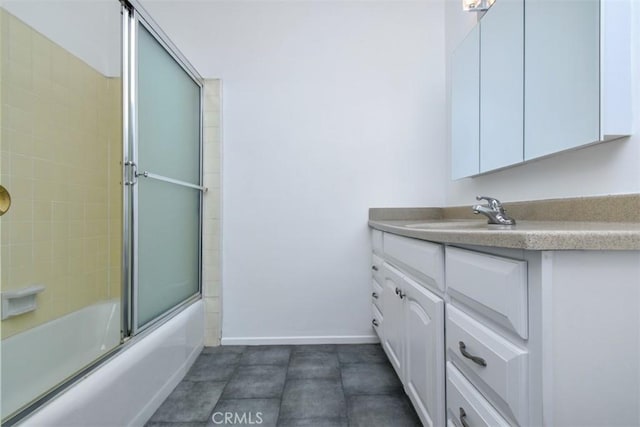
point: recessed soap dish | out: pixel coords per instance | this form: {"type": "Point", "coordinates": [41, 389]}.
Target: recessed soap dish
{"type": "Point", "coordinates": [15, 303]}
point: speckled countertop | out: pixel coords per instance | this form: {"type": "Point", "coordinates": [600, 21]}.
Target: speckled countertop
{"type": "Point", "coordinates": [617, 230]}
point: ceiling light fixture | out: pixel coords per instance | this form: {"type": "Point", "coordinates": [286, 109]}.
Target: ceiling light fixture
{"type": "Point", "coordinates": [477, 5]}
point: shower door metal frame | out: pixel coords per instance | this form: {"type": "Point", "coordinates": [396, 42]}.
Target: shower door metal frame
{"type": "Point", "coordinates": [138, 16]}
{"type": "Point", "coordinates": [132, 13]}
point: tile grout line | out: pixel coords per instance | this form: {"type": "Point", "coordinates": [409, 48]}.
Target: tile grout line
{"type": "Point", "coordinates": [235, 369]}
{"type": "Point", "coordinates": [286, 377]}
{"type": "Point", "coordinates": [346, 402]}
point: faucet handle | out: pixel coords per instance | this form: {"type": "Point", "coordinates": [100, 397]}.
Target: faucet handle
{"type": "Point", "coordinates": [495, 204]}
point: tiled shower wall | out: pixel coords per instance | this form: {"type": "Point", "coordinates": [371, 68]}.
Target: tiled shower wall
{"type": "Point", "coordinates": [61, 150]}
{"type": "Point", "coordinates": [211, 221]}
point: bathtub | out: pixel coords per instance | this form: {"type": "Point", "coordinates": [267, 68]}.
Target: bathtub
{"type": "Point", "coordinates": [128, 388]}
{"type": "Point", "coordinates": [41, 357]}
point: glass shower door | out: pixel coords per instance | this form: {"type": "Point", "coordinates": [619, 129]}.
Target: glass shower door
{"type": "Point", "coordinates": [168, 190]}
{"type": "Point", "coordinates": [60, 154]}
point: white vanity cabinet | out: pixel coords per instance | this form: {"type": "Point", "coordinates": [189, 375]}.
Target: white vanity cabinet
{"type": "Point", "coordinates": [412, 332]}
{"type": "Point", "coordinates": [376, 282]}
{"type": "Point", "coordinates": [393, 340]}
{"type": "Point", "coordinates": [522, 337]}
{"type": "Point", "coordinates": [487, 331]}
{"type": "Point", "coordinates": [579, 361]}
{"type": "Point", "coordinates": [424, 358]}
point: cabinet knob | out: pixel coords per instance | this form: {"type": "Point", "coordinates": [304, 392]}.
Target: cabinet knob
{"type": "Point", "coordinates": [374, 295]}
{"type": "Point", "coordinates": [463, 418]}
{"type": "Point", "coordinates": [374, 267]}
{"type": "Point", "coordinates": [479, 360]}
{"type": "Point", "coordinates": [375, 323]}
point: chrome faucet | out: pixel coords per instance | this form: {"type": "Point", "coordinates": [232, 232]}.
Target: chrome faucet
{"type": "Point", "coordinates": [493, 210]}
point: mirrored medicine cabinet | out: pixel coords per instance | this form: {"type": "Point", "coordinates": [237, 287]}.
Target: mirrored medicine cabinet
{"type": "Point", "coordinates": [538, 77]}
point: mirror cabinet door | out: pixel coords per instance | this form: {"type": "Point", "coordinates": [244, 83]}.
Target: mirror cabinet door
{"type": "Point", "coordinates": [465, 102]}
{"type": "Point", "coordinates": [562, 75]}
{"type": "Point", "coordinates": [501, 85]}
{"type": "Point", "coordinates": [537, 79]}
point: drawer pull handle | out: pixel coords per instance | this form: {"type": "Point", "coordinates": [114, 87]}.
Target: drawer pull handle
{"type": "Point", "coordinates": [400, 293]}
{"type": "Point", "coordinates": [374, 267]}
{"type": "Point", "coordinates": [463, 418]}
{"type": "Point", "coordinates": [479, 360]}
{"type": "Point", "coordinates": [374, 295]}
{"type": "Point", "coordinates": [375, 323]}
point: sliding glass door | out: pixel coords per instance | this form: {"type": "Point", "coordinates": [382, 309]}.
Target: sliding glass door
{"type": "Point", "coordinates": [168, 267]}
{"type": "Point", "coordinates": [165, 158]}
{"type": "Point", "coordinates": [81, 100]}
{"type": "Point", "coordinates": [60, 155]}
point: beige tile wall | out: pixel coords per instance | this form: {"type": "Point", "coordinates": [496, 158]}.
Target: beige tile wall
{"type": "Point", "coordinates": [211, 220]}
{"type": "Point", "coordinates": [60, 151]}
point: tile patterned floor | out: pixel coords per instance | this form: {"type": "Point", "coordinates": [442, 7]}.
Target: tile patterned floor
{"type": "Point", "coordinates": [292, 386]}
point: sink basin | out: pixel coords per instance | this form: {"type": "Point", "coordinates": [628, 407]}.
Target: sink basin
{"type": "Point", "coordinates": [449, 224]}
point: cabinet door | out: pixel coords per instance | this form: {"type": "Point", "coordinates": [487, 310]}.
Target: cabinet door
{"type": "Point", "coordinates": [424, 352]}
{"type": "Point", "coordinates": [393, 317]}
{"type": "Point", "coordinates": [465, 107]}
{"type": "Point", "coordinates": [501, 85]}
{"type": "Point", "coordinates": [562, 75]}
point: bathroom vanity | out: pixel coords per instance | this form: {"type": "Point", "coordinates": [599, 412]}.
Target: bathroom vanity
{"type": "Point", "coordinates": [533, 325]}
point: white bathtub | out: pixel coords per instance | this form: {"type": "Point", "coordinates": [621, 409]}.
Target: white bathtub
{"type": "Point", "coordinates": [127, 389]}
{"type": "Point", "coordinates": [39, 358]}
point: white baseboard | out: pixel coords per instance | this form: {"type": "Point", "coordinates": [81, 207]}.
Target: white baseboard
{"type": "Point", "coordinates": [350, 339]}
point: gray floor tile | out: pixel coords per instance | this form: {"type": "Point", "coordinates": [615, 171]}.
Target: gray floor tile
{"type": "Point", "coordinates": [266, 355]}
{"type": "Point", "coordinates": [361, 353]}
{"type": "Point", "coordinates": [313, 365]}
{"type": "Point", "coordinates": [258, 381]}
{"type": "Point", "coordinates": [189, 402]}
{"type": "Point", "coordinates": [208, 367]}
{"type": "Point", "coordinates": [314, 422]}
{"type": "Point", "coordinates": [223, 357]}
{"type": "Point", "coordinates": [314, 348]}
{"type": "Point", "coordinates": [291, 386]}
{"type": "Point", "coordinates": [224, 349]}
{"type": "Point", "coordinates": [313, 398]}
{"type": "Point", "coordinates": [370, 378]}
{"type": "Point", "coordinates": [382, 411]}
{"type": "Point", "coordinates": [245, 412]}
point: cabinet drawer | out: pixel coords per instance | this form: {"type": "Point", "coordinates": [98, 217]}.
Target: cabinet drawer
{"type": "Point", "coordinates": [376, 267]}
{"type": "Point", "coordinates": [424, 259]}
{"type": "Point", "coordinates": [376, 321]}
{"type": "Point", "coordinates": [376, 241]}
{"type": "Point", "coordinates": [376, 294]}
{"type": "Point", "coordinates": [494, 286]}
{"type": "Point", "coordinates": [464, 402]}
{"type": "Point", "coordinates": [505, 364]}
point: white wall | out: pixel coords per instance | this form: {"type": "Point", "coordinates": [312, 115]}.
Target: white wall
{"type": "Point", "coordinates": [328, 108]}
{"type": "Point", "coordinates": [610, 168]}
{"type": "Point", "coordinates": [89, 29]}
